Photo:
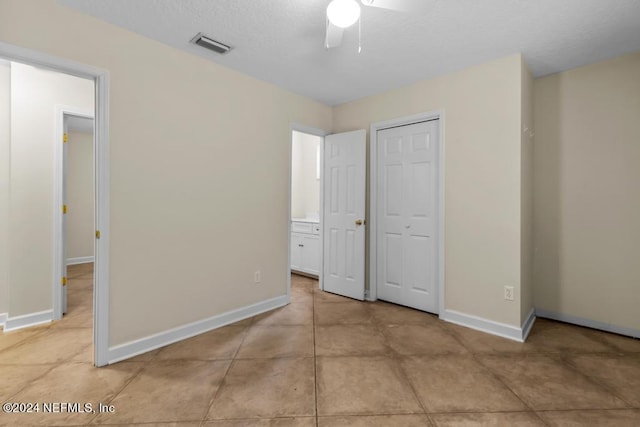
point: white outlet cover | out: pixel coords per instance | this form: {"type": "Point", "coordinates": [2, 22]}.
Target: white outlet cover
{"type": "Point", "coordinates": [509, 293]}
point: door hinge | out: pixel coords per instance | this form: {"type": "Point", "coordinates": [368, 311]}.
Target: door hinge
{"type": "Point", "coordinates": [64, 209]}
{"type": "Point", "coordinates": [65, 138]}
{"type": "Point", "coordinates": [64, 281]}
{"type": "Point", "coordinates": [97, 234]}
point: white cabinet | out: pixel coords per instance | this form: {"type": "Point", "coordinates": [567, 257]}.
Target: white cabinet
{"type": "Point", "coordinates": [305, 247]}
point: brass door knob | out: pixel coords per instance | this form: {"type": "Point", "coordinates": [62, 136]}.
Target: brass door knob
{"type": "Point", "coordinates": [359, 222]}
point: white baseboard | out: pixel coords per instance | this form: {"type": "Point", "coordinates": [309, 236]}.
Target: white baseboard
{"type": "Point", "coordinates": [80, 260]}
{"type": "Point", "coordinates": [26, 320]}
{"type": "Point", "coordinates": [607, 327]}
{"type": "Point", "coordinates": [527, 325]}
{"type": "Point", "coordinates": [152, 342]}
{"type": "Point", "coordinates": [3, 318]}
{"type": "Point", "coordinates": [489, 326]}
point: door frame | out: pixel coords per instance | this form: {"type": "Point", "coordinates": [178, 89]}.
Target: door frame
{"type": "Point", "coordinates": [59, 257]}
{"type": "Point", "coordinates": [101, 176]}
{"type": "Point", "coordinates": [316, 132]}
{"type": "Point", "coordinates": [373, 195]}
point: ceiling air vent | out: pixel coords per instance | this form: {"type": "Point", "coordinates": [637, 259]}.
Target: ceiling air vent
{"type": "Point", "coordinates": [209, 43]}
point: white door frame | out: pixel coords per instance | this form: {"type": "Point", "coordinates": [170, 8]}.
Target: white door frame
{"type": "Point", "coordinates": [101, 173]}
{"type": "Point", "coordinates": [59, 257]}
{"type": "Point", "coordinates": [373, 194]}
{"type": "Point", "coordinates": [321, 133]}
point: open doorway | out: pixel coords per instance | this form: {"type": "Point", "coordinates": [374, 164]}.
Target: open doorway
{"type": "Point", "coordinates": [337, 233]}
{"type": "Point", "coordinates": [305, 203]}
{"type": "Point", "coordinates": [78, 241]}
{"type": "Point", "coordinates": [36, 257]}
{"type": "Point", "coordinates": [305, 236]}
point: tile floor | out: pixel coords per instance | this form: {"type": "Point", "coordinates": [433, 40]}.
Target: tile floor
{"type": "Point", "coordinates": [328, 361]}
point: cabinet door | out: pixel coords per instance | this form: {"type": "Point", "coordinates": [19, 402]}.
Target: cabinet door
{"type": "Point", "coordinates": [296, 252]}
{"type": "Point", "coordinates": [311, 254]}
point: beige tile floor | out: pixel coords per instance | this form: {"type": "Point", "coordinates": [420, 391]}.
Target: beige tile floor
{"type": "Point", "coordinates": [327, 361]}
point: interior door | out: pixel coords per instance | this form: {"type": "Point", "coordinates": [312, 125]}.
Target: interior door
{"type": "Point", "coordinates": [344, 208]}
{"type": "Point", "coordinates": [64, 216]}
{"type": "Point", "coordinates": [406, 229]}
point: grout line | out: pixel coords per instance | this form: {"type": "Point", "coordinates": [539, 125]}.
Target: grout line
{"type": "Point", "coordinates": [542, 420]}
{"type": "Point", "coordinates": [217, 392]}
{"type": "Point", "coordinates": [36, 378]}
{"type": "Point", "coordinates": [224, 377]}
{"type": "Point", "coordinates": [594, 380]}
{"type": "Point", "coordinates": [396, 357]}
{"type": "Point", "coordinates": [475, 357]}
{"type": "Point", "coordinates": [117, 393]}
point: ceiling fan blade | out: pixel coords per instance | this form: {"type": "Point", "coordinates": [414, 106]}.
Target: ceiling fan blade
{"type": "Point", "coordinates": [334, 36]}
{"type": "Point", "coordinates": [413, 6]}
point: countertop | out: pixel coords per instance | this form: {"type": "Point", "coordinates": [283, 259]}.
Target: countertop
{"type": "Point", "coordinates": [311, 220]}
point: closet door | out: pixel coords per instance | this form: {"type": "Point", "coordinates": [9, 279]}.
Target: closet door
{"type": "Point", "coordinates": [407, 212]}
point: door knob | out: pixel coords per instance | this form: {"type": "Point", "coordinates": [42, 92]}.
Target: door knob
{"type": "Point", "coordinates": [359, 222]}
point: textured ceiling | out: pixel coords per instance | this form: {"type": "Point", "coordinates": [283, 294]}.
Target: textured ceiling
{"type": "Point", "coordinates": [281, 41]}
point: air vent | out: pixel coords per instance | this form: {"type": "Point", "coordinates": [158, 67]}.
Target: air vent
{"type": "Point", "coordinates": [209, 43]}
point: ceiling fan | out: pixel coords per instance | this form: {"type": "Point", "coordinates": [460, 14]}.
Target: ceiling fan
{"type": "Point", "coordinates": [342, 14]}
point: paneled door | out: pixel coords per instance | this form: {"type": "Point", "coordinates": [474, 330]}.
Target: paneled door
{"type": "Point", "coordinates": [406, 215]}
{"type": "Point", "coordinates": [344, 175]}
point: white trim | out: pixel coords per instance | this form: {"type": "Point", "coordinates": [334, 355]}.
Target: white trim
{"type": "Point", "coordinates": [59, 261]}
{"type": "Point", "coordinates": [372, 295]}
{"type": "Point", "coordinates": [3, 318]}
{"type": "Point", "coordinates": [80, 260]}
{"type": "Point", "coordinates": [594, 324]}
{"type": "Point", "coordinates": [489, 326]}
{"type": "Point", "coordinates": [101, 249]}
{"type": "Point", "coordinates": [161, 339]}
{"type": "Point", "coordinates": [321, 133]}
{"type": "Point", "coordinates": [27, 320]}
{"type": "Point", "coordinates": [527, 325]}
{"type": "Point", "coordinates": [101, 158]}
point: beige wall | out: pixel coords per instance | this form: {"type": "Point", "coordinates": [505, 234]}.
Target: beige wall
{"type": "Point", "coordinates": [34, 95]}
{"type": "Point", "coordinates": [305, 187]}
{"type": "Point", "coordinates": [482, 143]}
{"type": "Point", "coordinates": [526, 188]}
{"type": "Point", "coordinates": [5, 152]}
{"type": "Point", "coordinates": [587, 202]}
{"type": "Point", "coordinates": [80, 218]}
{"type": "Point", "coordinates": [199, 199]}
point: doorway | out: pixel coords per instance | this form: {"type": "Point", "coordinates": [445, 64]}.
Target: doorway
{"type": "Point", "coordinates": [305, 237]}
{"type": "Point", "coordinates": [332, 234]}
{"type": "Point", "coordinates": [77, 238]}
{"type": "Point", "coordinates": [21, 316]}
{"type": "Point", "coordinates": [74, 199]}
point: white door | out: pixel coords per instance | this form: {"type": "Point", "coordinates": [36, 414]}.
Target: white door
{"type": "Point", "coordinates": [344, 208]}
{"type": "Point", "coordinates": [407, 193]}
{"type": "Point", "coordinates": [64, 216]}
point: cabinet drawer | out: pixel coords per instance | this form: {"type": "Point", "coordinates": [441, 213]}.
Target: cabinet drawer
{"type": "Point", "coordinates": [302, 227]}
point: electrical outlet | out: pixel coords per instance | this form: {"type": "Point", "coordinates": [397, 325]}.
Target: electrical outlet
{"type": "Point", "coordinates": [257, 277]}
{"type": "Point", "coordinates": [508, 293]}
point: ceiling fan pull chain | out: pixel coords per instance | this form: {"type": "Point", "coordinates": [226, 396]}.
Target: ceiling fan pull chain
{"type": "Point", "coordinates": [360, 35]}
{"type": "Point", "coordinates": [326, 36]}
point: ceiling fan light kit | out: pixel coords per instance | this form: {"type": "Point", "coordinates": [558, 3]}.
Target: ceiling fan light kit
{"type": "Point", "coordinates": [343, 13]}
